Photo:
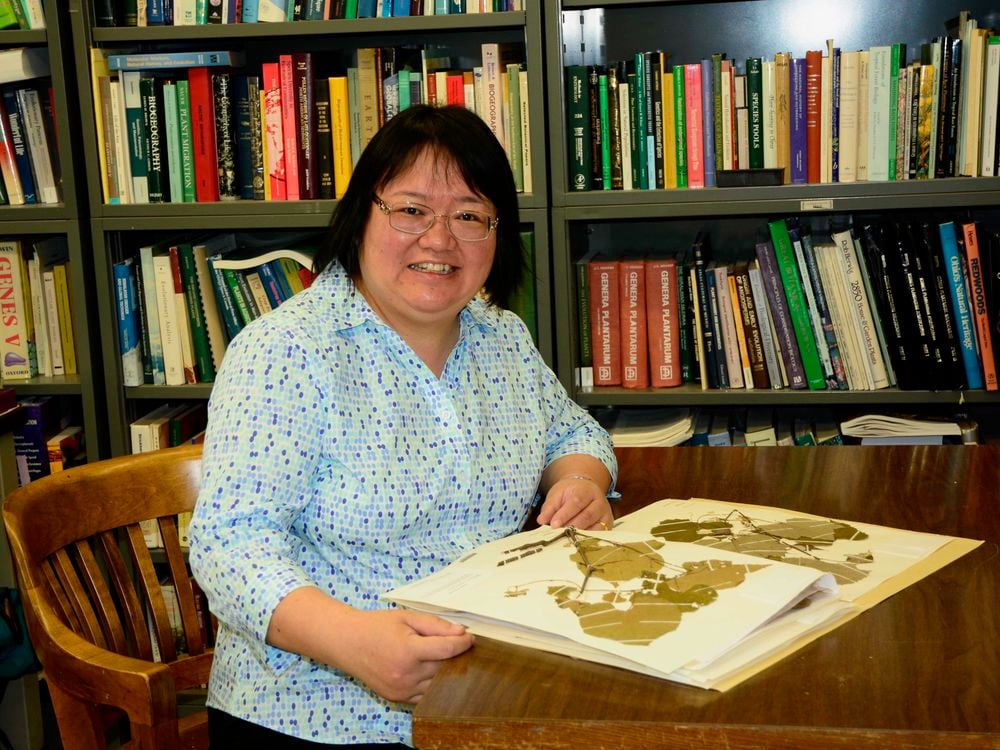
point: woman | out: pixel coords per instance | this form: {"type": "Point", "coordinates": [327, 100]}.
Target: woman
{"type": "Point", "coordinates": [371, 430]}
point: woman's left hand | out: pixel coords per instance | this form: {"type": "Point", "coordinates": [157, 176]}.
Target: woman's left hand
{"type": "Point", "coordinates": [578, 502]}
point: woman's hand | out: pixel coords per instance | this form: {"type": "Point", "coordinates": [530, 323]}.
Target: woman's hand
{"type": "Point", "coordinates": [577, 501]}
{"type": "Point", "coordinates": [394, 652]}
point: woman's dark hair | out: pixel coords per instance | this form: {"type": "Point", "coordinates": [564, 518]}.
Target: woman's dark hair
{"type": "Point", "coordinates": [452, 132]}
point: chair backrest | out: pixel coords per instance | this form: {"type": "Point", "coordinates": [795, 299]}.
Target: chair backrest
{"type": "Point", "coordinates": [114, 623]}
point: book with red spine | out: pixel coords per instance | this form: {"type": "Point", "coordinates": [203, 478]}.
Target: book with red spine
{"type": "Point", "coordinates": [632, 323]}
{"type": "Point", "coordinates": [814, 101]}
{"type": "Point", "coordinates": [206, 163]}
{"type": "Point", "coordinates": [663, 323]}
{"type": "Point", "coordinates": [273, 131]}
{"type": "Point", "coordinates": [694, 126]}
{"type": "Point", "coordinates": [289, 128]}
{"type": "Point", "coordinates": [604, 322]}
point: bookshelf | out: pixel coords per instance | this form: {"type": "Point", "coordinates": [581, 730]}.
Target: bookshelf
{"type": "Point", "coordinates": [635, 222]}
{"type": "Point", "coordinates": [118, 230]}
{"type": "Point", "coordinates": [66, 219]}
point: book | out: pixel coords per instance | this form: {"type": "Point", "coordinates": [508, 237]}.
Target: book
{"type": "Point", "coordinates": [203, 144]}
{"type": "Point", "coordinates": [42, 419]}
{"type": "Point", "coordinates": [662, 322]}
{"type": "Point", "coordinates": [227, 185]}
{"type": "Point", "coordinates": [973, 259]}
{"type": "Point", "coordinates": [960, 305]}
{"type": "Point", "coordinates": [44, 163]}
{"type": "Point", "coordinates": [129, 345]}
{"type": "Point", "coordinates": [604, 320]}
{"type": "Point", "coordinates": [797, 310]}
{"type": "Point", "coordinates": [785, 333]}
{"type": "Point", "coordinates": [632, 322]}
{"type": "Point", "coordinates": [154, 140]}
{"type": "Point", "coordinates": [17, 338]}
{"type": "Point", "coordinates": [578, 128]}
{"type": "Point", "coordinates": [161, 60]}
{"type": "Point", "coordinates": [23, 63]}
{"type": "Point", "coordinates": [713, 634]}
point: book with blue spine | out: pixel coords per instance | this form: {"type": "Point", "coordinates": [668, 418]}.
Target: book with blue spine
{"type": "Point", "coordinates": [128, 325]}
{"type": "Point", "coordinates": [797, 119]}
{"type": "Point", "coordinates": [960, 305]}
{"type": "Point", "coordinates": [708, 121]}
{"type": "Point", "coordinates": [187, 59]}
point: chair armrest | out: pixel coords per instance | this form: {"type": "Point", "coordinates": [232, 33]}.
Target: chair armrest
{"type": "Point", "coordinates": [145, 690]}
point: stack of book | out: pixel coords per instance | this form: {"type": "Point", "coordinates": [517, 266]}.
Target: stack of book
{"type": "Point", "coordinates": [36, 329]}
{"type": "Point", "coordinates": [884, 113]}
{"type": "Point", "coordinates": [886, 429]}
{"type": "Point", "coordinates": [29, 163]}
{"type": "Point", "coordinates": [179, 303]}
{"type": "Point", "coordinates": [160, 13]}
{"type": "Point", "coordinates": [199, 126]}
{"type": "Point", "coordinates": [837, 310]}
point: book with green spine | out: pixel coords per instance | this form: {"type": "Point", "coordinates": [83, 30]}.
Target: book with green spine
{"type": "Point", "coordinates": [797, 310]}
{"type": "Point", "coordinates": [680, 126]}
{"type": "Point", "coordinates": [755, 109]}
{"type": "Point", "coordinates": [639, 125]}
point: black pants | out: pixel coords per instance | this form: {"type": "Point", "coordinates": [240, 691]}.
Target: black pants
{"type": "Point", "coordinates": [226, 732]}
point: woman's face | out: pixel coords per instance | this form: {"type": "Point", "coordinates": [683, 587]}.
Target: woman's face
{"type": "Point", "coordinates": [415, 282]}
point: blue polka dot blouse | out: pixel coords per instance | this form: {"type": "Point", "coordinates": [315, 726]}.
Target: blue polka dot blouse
{"type": "Point", "coordinates": [335, 458]}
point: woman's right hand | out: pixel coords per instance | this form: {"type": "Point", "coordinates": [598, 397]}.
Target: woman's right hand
{"type": "Point", "coordinates": [395, 652]}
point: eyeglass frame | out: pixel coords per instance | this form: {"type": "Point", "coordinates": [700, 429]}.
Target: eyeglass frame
{"type": "Point", "coordinates": [386, 209]}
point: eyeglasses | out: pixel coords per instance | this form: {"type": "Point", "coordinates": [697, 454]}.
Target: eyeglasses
{"type": "Point", "coordinates": [414, 218]}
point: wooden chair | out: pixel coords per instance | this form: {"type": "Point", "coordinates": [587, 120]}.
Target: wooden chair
{"type": "Point", "coordinates": [95, 604]}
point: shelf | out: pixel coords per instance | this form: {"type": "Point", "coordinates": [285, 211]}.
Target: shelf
{"type": "Point", "coordinates": [218, 33]}
{"type": "Point", "coordinates": [785, 199]}
{"type": "Point", "coordinates": [693, 395]}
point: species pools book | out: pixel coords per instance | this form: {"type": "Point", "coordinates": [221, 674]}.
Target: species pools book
{"type": "Point", "coordinates": [701, 592]}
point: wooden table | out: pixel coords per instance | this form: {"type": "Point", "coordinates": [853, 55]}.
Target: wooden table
{"type": "Point", "coordinates": [919, 670]}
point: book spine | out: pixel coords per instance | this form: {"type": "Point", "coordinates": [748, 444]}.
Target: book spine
{"type": "Point", "coordinates": [714, 324]}
{"type": "Point", "coordinates": [797, 310]}
{"type": "Point", "coordinates": [8, 164]}
{"type": "Point", "coordinates": [680, 126]}
{"type": "Point", "coordinates": [273, 128]}
{"type": "Point", "coordinates": [65, 313]}
{"type": "Point", "coordinates": [860, 308]}
{"type": "Point", "coordinates": [707, 338]}
{"type": "Point", "coordinates": [632, 322]}
{"type": "Point", "coordinates": [694, 127]}
{"type": "Point", "coordinates": [797, 155]}
{"type": "Point", "coordinates": [662, 323]}
{"type": "Point", "coordinates": [203, 361]}
{"type": "Point", "coordinates": [157, 180]}
{"type": "Point", "coordinates": [43, 161]}
{"type": "Point", "coordinates": [188, 187]}
{"type": "Point", "coordinates": [324, 142]}
{"type": "Point", "coordinates": [227, 182]}
{"type": "Point", "coordinates": [232, 318]}
{"type": "Point", "coordinates": [16, 363]}
{"type": "Point", "coordinates": [774, 288]}
{"type": "Point", "coordinates": [181, 315]}
{"type": "Point", "coordinates": [128, 328]}
{"type": "Point", "coordinates": [960, 306]}
{"type": "Point", "coordinates": [585, 354]}
{"type": "Point", "coordinates": [755, 93]}
{"type": "Point", "coordinates": [708, 123]}
{"type": "Point", "coordinates": [172, 137]}
{"type": "Point", "coordinates": [826, 330]}
{"type": "Point", "coordinates": [246, 105]}
{"type": "Point", "coordinates": [977, 288]}
{"type": "Point", "coordinates": [604, 323]}
{"type": "Point", "coordinates": [752, 334]}
{"type": "Point", "coordinates": [578, 128]}
{"type": "Point", "coordinates": [814, 97]}
{"type": "Point", "coordinates": [52, 316]}
{"type": "Point", "coordinates": [205, 157]}
{"type": "Point", "coordinates": [305, 123]}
